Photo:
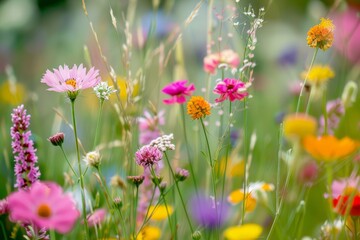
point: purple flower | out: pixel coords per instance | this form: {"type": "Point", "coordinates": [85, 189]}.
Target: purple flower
{"type": "Point", "coordinates": [148, 156]}
{"type": "Point", "coordinates": [335, 110]}
{"type": "Point", "coordinates": [206, 213]}
{"type": "Point", "coordinates": [178, 90]}
{"type": "Point", "coordinates": [232, 89]}
{"type": "Point", "coordinates": [24, 152]}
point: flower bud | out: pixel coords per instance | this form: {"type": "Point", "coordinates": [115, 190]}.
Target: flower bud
{"type": "Point", "coordinates": [57, 139]}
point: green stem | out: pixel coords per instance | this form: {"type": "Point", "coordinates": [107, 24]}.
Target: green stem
{"type": "Point", "coordinates": [67, 160]}
{"type": "Point", "coordinates": [147, 217]}
{"type": "Point", "coordinates": [325, 111]}
{"type": "Point", "coordinates": [188, 151]}
{"type": "Point", "coordinates": [98, 122]}
{"type": "Point", "coordinates": [277, 194]}
{"type": "Point", "coordinates": [52, 235]}
{"type": "Point", "coordinates": [306, 77]}
{"type": "Point", "coordinates": [80, 173]}
{"type": "Point", "coordinates": [245, 160]}
{"type": "Point", "coordinates": [135, 209]}
{"type": "Point", "coordinates": [179, 192]}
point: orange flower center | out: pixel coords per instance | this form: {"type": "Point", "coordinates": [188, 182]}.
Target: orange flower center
{"type": "Point", "coordinates": [44, 210]}
{"type": "Point", "coordinates": [71, 82]}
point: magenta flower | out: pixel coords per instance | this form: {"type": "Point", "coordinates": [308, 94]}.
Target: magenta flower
{"type": "Point", "coordinates": [178, 90]}
{"type": "Point", "coordinates": [228, 57]}
{"type": "Point", "coordinates": [71, 80]}
{"type": "Point", "coordinates": [23, 149]}
{"type": "Point", "coordinates": [148, 156]}
{"type": "Point", "coordinates": [44, 205]}
{"type": "Point", "coordinates": [230, 88]}
{"type": "Point", "coordinates": [96, 217]}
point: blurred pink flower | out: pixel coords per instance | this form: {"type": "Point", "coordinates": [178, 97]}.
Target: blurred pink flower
{"type": "Point", "coordinates": [149, 126]}
{"type": "Point", "coordinates": [178, 90]}
{"type": "Point", "coordinates": [4, 206]}
{"type": "Point", "coordinates": [228, 56]}
{"type": "Point", "coordinates": [44, 205]}
{"type": "Point", "coordinates": [347, 34]}
{"type": "Point", "coordinates": [230, 88]}
{"type": "Point", "coordinates": [96, 217]}
{"type": "Point", "coordinates": [71, 80]}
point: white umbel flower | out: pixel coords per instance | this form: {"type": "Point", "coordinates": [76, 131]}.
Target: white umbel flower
{"type": "Point", "coordinates": [163, 143]}
{"type": "Point", "coordinates": [103, 91]}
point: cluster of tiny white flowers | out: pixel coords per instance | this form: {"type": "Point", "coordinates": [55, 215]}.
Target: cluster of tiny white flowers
{"type": "Point", "coordinates": [328, 228]}
{"type": "Point", "coordinates": [163, 143]}
{"type": "Point", "coordinates": [103, 90]}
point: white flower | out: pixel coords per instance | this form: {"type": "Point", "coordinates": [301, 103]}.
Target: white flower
{"type": "Point", "coordinates": [103, 90]}
{"type": "Point", "coordinates": [163, 143]}
{"type": "Point", "coordinates": [93, 158]}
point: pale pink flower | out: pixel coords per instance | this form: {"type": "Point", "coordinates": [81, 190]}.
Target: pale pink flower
{"type": "Point", "coordinates": [178, 90]}
{"type": "Point", "coordinates": [228, 56]}
{"type": "Point", "coordinates": [148, 156]}
{"type": "Point", "coordinates": [71, 80]}
{"type": "Point", "coordinates": [230, 88]}
{"type": "Point", "coordinates": [45, 206]}
{"type": "Point", "coordinates": [4, 206]}
{"type": "Point", "coordinates": [96, 217]}
{"type": "Point", "coordinates": [149, 126]}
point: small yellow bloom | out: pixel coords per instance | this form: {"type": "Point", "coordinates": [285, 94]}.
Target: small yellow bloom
{"type": "Point", "coordinates": [198, 107]}
{"type": "Point", "coordinates": [318, 74]}
{"type": "Point", "coordinates": [329, 148]}
{"type": "Point", "coordinates": [321, 35]}
{"type": "Point", "coordinates": [12, 93]}
{"type": "Point", "coordinates": [248, 231]}
{"type": "Point", "coordinates": [237, 196]}
{"type": "Point", "coordinates": [149, 233]}
{"type": "Point", "coordinates": [159, 212]}
{"type": "Point", "coordinates": [298, 126]}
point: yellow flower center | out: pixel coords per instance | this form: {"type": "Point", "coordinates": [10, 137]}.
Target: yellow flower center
{"type": "Point", "coordinates": [44, 210]}
{"type": "Point", "coordinates": [350, 190]}
{"type": "Point", "coordinates": [71, 82]}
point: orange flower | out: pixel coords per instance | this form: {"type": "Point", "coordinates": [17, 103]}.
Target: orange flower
{"type": "Point", "coordinates": [329, 148]}
{"type": "Point", "coordinates": [321, 35]}
{"type": "Point", "coordinates": [198, 107]}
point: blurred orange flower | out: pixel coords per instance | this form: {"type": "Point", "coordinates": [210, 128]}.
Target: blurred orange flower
{"type": "Point", "coordinates": [329, 148]}
{"type": "Point", "coordinates": [321, 35]}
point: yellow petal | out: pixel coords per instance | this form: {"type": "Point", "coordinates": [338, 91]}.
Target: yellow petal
{"type": "Point", "coordinates": [243, 232]}
{"type": "Point", "coordinates": [159, 212]}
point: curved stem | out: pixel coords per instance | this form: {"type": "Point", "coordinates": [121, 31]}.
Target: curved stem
{"type": "Point", "coordinates": [304, 83]}
{"type": "Point", "coordinates": [98, 122]}
{"type": "Point", "coordinates": [80, 173]}
{"type": "Point", "coordinates": [67, 160]}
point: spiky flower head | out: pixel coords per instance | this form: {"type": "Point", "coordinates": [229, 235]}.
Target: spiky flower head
{"type": "Point", "coordinates": [103, 91]}
{"type": "Point", "coordinates": [181, 174]}
{"type": "Point", "coordinates": [198, 107]}
{"type": "Point", "coordinates": [148, 156]}
{"type": "Point", "coordinates": [136, 180]}
{"type": "Point", "coordinates": [93, 159]}
{"type": "Point", "coordinates": [321, 35]}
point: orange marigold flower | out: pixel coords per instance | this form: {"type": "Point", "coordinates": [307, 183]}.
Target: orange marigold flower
{"type": "Point", "coordinates": [321, 35]}
{"type": "Point", "coordinates": [329, 148]}
{"type": "Point", "coordinates": [298, 126]}
{"type": "Point", "coordinates": [198, 107]}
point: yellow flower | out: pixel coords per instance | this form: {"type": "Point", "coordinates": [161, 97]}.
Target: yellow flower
{"type": "Point", "coordinates": [248, 231]}
{"type": "Point", "coordinates": [237, 196]}
{"type": "Point", "coordinates": [235, 166]}
{"type": "Point", "coordinates": [198, 107]}
{"type": "Point", "coordinates": [321, 35]}
{"type": "Point", "coordinates": [159, 212]}
{"type": "Point", "coordinates": [319, 74]}
{"type": "Point", "coordinates": [12, 93]}
{"type": "Point", "coordinates": [298, 126]}
{"type": "Point", "coordinates": [329, 148]}
{"type": "Point", "coordinates": [149, 233]}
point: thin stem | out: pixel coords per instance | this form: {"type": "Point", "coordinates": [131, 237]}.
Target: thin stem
{"type": "Point", "coordinates": [179, 192]}
{"type": "Point", "coordinates": [245, 159]}
{"type": "Point", "coordinates": [306, 77]}
{"type": "Point", "coordinates": [135, 209]}
{"type": "Point", "coordinates": [52, 235]}
{"type": "Point", "coordinates": [277, 194]}
{"type": "Point", "coordinates": [188, 151]}
{"type": "Point", "coordinates": [146, 215]}
{"type": "Point", "coordinates": [80, 173]}
{"type": "Point", "coordinates": [98, 122]}
{"type": "Point", "coordinates": [67, 160]}
{"type": "Point", "coordinates": [325, 112]}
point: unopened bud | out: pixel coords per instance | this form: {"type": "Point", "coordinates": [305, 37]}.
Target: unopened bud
{"type": "Point", "coordinates": [57, 139]}
{"type": "Point", "coordinates": [349, 94]}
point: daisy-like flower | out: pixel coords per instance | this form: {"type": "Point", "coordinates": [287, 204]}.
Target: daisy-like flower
{"type": "Point", "coordinates": [249, 231]}
{"type": "Point", "coordinates": [228, 57]}
{"type": "Point", "coordinates": [298, 126]}
{"type": "Point", "coordinates": [148, 156]}
{"type": "Point", "coordinates": [318, 74]}
{"type": "Point", "coordinates": [346, 194]}
{"type": "Point", "coordinates": [329, 148]}
{"type": "Point", "coordinates": [198, 107]}
{"type": "Point", "coordinates": [93, 159]}
{"type": "Point", "coordinates": [231, 89]}
{"type": "Point", "coordinates": [321, 35]}
{"type": "Point", "coordinates": [178, 90]}
{"type": "Point", "coordinates": [44, 205]}
{"type": "Point", "coordinates": [71, 80]}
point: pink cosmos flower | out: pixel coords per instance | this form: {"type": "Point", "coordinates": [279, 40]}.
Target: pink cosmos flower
{"type": "Point", "coordinates": [71, 80]}
{"type": "Point", "coordinates": [149, 126]}
{"type": "Point", "coordinates": [96, 217]}
{"type": "Point", "coordinates": [228, 56]}
{"type": "Point", "coordinates": [230, 88]}
{"type": "Point", "coordinates": [45, 206]}
{"type": "Point", "coordinates": [178, 90]}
